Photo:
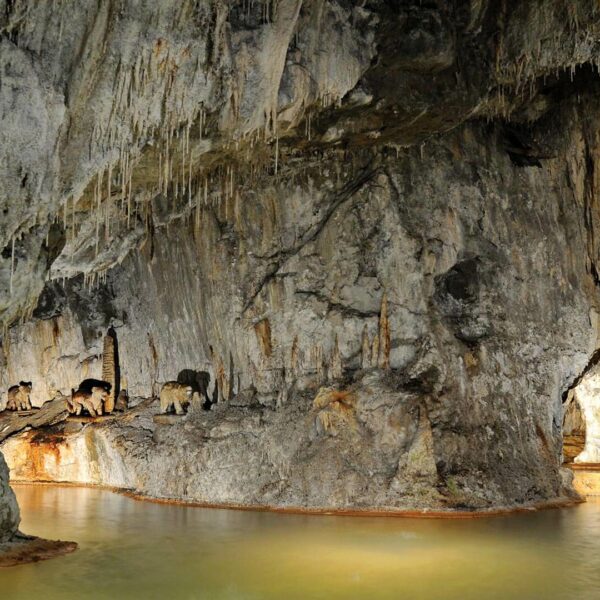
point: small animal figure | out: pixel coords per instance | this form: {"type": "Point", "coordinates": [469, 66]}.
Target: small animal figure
{"type": "Point", "coordinates": [90, 401]}
{"type": "Point", "coordinates": [87, 384]}
{"type": "Point", "coordinates": [122, 401]}
{"type": "Point", "coordinates": [18, 396]}
{"type": "Point", "coordinates": [175, 395]}
{"type": "Point", "coordinates": [198, 380]}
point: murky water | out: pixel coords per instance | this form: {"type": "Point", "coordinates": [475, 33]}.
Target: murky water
{"type": "Point", "coordinates": [131, 549]}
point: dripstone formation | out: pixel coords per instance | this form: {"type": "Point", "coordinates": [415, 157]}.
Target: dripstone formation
{"type": "Point", "coordinates": [362, 237]}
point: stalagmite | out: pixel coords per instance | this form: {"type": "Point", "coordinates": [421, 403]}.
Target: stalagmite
{"type": "Point", "coordinates": [110, 368]}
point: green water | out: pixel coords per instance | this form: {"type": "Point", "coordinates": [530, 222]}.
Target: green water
{"type": "Point", "coordinates": [131, 549]}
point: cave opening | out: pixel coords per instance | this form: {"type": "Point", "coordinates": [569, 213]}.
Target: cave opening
{"type": "Point", "coordinates": [581, 416]}
{"type": "Point", "coordinates": [573, 427]}
{"type": "Point", "coordinates": [581, 429]}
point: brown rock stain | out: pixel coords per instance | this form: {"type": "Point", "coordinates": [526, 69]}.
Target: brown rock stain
{"type": "Point", "coordinates": [335, 407]}
{"type": "Point", "coordinates": [263, 336]}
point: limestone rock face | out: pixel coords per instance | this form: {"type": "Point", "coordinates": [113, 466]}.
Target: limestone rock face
{"type": "Point", "coordinates": [9, 510]}
{"type": "Point", "coordinates": [394, 200]}
{"type": "Point", "coordinates": [587, 395]}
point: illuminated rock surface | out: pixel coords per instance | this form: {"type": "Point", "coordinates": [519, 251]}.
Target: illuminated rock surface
{"type": "Point", "coordinates": [397, 201]}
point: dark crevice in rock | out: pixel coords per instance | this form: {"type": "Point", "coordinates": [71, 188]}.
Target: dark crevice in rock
{"type": "Point", "coordinates": [593, 362]}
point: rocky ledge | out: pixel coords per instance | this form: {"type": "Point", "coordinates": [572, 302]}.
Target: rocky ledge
{"type": "Point", "coordinates": [353, 449]}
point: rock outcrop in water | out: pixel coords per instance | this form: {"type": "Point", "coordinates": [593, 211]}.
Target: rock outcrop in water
{"type": "Point", "coordinates": [9, 511]}
{"type": "Point", "coordinates": [393, 205]}
{"type": "Point", "coordinates": [15, 547]}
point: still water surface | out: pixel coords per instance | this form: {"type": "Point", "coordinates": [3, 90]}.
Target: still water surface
{"type": "Point", "coordinates": [131, 549]}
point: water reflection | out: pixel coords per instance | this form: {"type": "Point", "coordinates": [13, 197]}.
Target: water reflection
{"type": "Point", "coordinates": [131, 549]}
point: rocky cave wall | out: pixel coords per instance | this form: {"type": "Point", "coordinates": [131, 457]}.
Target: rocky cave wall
{"type": "Point", "coordinates": [397, 199]}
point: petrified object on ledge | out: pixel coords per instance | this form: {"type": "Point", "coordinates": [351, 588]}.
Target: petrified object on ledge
{"type": "Point", "coordinates": [92, 401]}
{"type": "Point", "coordinates": [176, 396]}
{"type": "Point", "coordinates": [91, 393]}
{"type": "Point", "coordinates": [18, 396]}
{"type": "Point", "coordinates": [50, 413]}
{"type": "Point", "coordinates": [122, 402]}
{"type": "Point", "coordinates": [197, 380]}
{"type": "Point", "coordinates": [88, 384]}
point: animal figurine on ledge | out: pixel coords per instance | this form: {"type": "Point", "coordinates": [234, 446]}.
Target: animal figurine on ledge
{"type": "Point", "coordinates": [87, 384]}
{"type": "Point", "coordinates": [176, 396]}
{"type": "Point", "coordinates": [91, 401]}
{"type": "Point", "coordinates": [91, 395]}
{"type": "Point", "coordinates": [122, 402]}
{"type": "Point", "coordinates": [19, 396]}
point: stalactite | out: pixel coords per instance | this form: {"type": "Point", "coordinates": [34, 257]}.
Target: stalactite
{"type": "Point", "coordinates": [336, 368]}
{"type": "Point", "coordinates": [108, 200]}
{"type": "Point", "coordinates": [317, 352]}
{"type": "Point", "coordinates": [96, 202]}
{"type": "Point", "coordinates": [129, 201]}
{"type": "Point", "coordinates": [384, 335]}
{"type": "Point", "coordinates": [221, 379]}
{"type": "Point", "coordinates": [12, 262]}
{"type": "Point", "coordinates": [375, 350]}
{"type": "Point", "coordinates": [365, 357]}
{"type": "Point", "coordinates": [294, 357]}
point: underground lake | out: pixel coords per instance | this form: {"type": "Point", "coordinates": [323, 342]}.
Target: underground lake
{"type": "Point", "coordinates": [135, 549]}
